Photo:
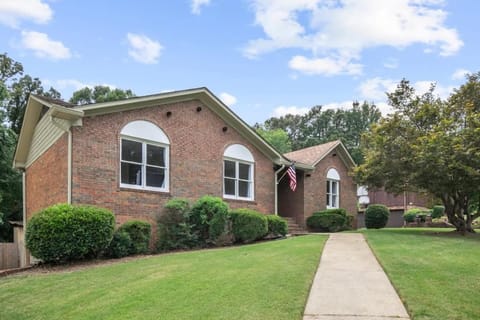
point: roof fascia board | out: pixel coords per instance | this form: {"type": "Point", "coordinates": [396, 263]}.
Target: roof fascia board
{"type": "Point", "coordinates": [32, 113]}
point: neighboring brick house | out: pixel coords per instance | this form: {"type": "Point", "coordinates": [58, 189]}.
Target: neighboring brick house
{"type": "Point", "coordinates": [131, 156]}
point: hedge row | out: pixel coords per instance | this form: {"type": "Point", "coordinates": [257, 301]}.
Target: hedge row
{"type": "Point", "coordinates": [209, 222]}
{"type": "Point", "coordinates": [65, 232]}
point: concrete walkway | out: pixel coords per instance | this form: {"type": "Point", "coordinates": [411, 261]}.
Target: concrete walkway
{"type": "Point", "coordinates": [351, 285]}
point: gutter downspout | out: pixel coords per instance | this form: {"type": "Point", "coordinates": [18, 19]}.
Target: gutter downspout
{"type": "Point", "coordinates": [276, 188]}
{"type": "Point", "coordinates": [25, 260]}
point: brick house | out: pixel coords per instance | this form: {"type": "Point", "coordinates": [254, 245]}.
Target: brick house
{"type": "Point", "coordinates": [131, 156]}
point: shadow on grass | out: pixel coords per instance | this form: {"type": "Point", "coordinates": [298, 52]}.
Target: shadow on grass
{"type": "Point", "coordinates": [443, 233]}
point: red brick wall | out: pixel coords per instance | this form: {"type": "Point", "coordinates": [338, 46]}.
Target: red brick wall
{"type": "Point", "coordinates": [197, 143]}
{"type": "Point", "coordinates": [46, 178]}
{"type": "Point", "coordinates": [316, 189]}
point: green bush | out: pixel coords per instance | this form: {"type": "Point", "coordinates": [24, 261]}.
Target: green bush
{"type": "Point", "coordinates": [330, 220]}
{"type": "Point", "coordinates": [412, 214]}
{"type": "Point", "coordinates": [438, 211]}
{"type": "Point", "coordinates": [209, 219]}
{"type": "Point", "coordinates": [376, 216]}
{"type": "Point", "coordinates": [277, 226]}
{"type": "Point", "coordinates": [248, 225]}
{"type": "Point", "coordinates": [174, 231]}
{"type": "Point", "coordinates": [139, 232]}
{"type": "Point", "coordinates": [64, 232]}
{"type": "Point", "coordinates": [120, 246]}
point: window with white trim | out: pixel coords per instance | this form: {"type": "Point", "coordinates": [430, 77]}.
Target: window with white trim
{"type": "Point", "coordinates": [144, 157]}
{"type": "Point", "coordinates": [333, 189]}
{"type": "Point", "coordinates": [238, 182]}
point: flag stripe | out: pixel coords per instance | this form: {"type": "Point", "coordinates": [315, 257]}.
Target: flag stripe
{"type": "Point", "coordinates": [293, 177]}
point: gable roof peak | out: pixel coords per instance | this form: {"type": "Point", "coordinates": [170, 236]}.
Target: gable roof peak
{"type": "Point", "coordinates": [314, 154]}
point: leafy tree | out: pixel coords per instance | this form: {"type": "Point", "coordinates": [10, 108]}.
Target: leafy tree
{"type": "Point", "coordinates": [99, 94]}
{"type": "Point", "coordinates": [429, 144]}
{"type": "Point", "coordinates": [277, 138]}
{"type": "Point", "coordinates": [10, 183]}
{"type": "Point", "coordinates": [320, 126]}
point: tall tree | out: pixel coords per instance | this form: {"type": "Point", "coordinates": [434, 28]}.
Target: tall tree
{"type": "Point", "coordinates": [99, 94]}
{"type": "Point", "coordinates": [429, 144]}
{"type": "Point", "coordinates": [277, 138]}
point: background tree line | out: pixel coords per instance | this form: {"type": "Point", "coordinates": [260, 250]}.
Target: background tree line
{"type": "Point", "coordinates": [293, 132]}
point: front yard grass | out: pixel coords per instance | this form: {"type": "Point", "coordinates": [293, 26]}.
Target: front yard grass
{"type": "Point", "coordinates": [269, 280]}
{"type": "Point", "coordinates": [435, 271]}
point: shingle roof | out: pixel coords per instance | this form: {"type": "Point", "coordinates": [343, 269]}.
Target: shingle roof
{"type": "Point", "coordinates": [55, 101]}
{"type": "Point", "coordinates": [312, 155]}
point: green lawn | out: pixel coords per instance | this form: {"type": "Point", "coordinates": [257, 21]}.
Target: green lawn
{"type": "Point", "coordinates": [268, 280]}
{"type": "Point", "coordinates": [436, 273]}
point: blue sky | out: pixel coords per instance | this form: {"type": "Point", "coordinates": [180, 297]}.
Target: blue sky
{"type": "Point", "coordinates": [261, 57]}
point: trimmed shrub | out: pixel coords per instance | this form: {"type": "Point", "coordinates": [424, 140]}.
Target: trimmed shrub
{"type": "Point", "coordinates": [376, 216]}
{"type": "Point", "coordinates": [139, 232]}
{"type": "Point", "coordinates": [330, 220]}
{"type": "Point", "coordinates": [277, 226]}
{"type": "Point", "coordinates": [209, 219]}
{"type": "Point", "coordinates": [438, 211]}
{"type": "Point", "coordinates": [248, 225]}
{"type": "Point", "coordinates": [64, 232]}
{"type": "Point", "coordinates": [120, 246]}
{"type": "Point", "coordinates": [174, 231]}
{"type": "Point", "coordinates": [410, 215]}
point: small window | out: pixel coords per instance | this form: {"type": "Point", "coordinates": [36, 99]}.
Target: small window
{"type": "Point", "coordinates": [333, 192]}
{"type": "Point", "coordinates": [144, 157]}
{"type": "Point", "coordinates": [238, 173]}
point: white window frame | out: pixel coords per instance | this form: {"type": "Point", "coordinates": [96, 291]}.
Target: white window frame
{"type": "Point", "coordinates": [144, 165]}
{"type": "Point", "coordinates": [251, 182]}
{"type": "Point", "coordinates": [333, 178]}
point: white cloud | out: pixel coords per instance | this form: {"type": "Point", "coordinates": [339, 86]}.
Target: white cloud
{"type": "Point", "coordinates": [228, 99]}
{"type": "Point", "coordinates": [197, 5]}
{"type": "Point", "coordinates": [326, 66]}
{"type": "Point", "coordinates": [374, 89]}
{"type": "Point", "coordinates": [143, 49]}
{"type": "Point", "coordinates": [43, 46]}
{"type": "Point", "coordinates": [391, 63]}
{"type": "Point", "coordinates": [340, 30]}
{"type": "Point", "coordinates": [460, 74]}
{"type": "Point", "coordinates": [281, 111]}
{"type": "Point", "coordinates": [442, 91]}
{"type": "Point", "coordinates": [12, 12]}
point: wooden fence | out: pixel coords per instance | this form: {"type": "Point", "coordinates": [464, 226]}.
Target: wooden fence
{"type": "Point", "coordinates": [9, 255]}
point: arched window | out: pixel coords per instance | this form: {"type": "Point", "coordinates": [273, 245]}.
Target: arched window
{"type": "Point", "coordinates": [333, 189]}
{"type": "Point", "coordinates": [144, 156]}
{"type": "Point", "coordinates": [238, 175]}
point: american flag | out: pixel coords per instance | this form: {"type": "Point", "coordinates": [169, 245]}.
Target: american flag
{"type": "Point", "coordinates": [293, 177]}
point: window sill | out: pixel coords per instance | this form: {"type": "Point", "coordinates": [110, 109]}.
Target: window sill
{"type": "Point", "coordinates": [158, 192]}
{"type": "Point", "coordinates": [252, 201]}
